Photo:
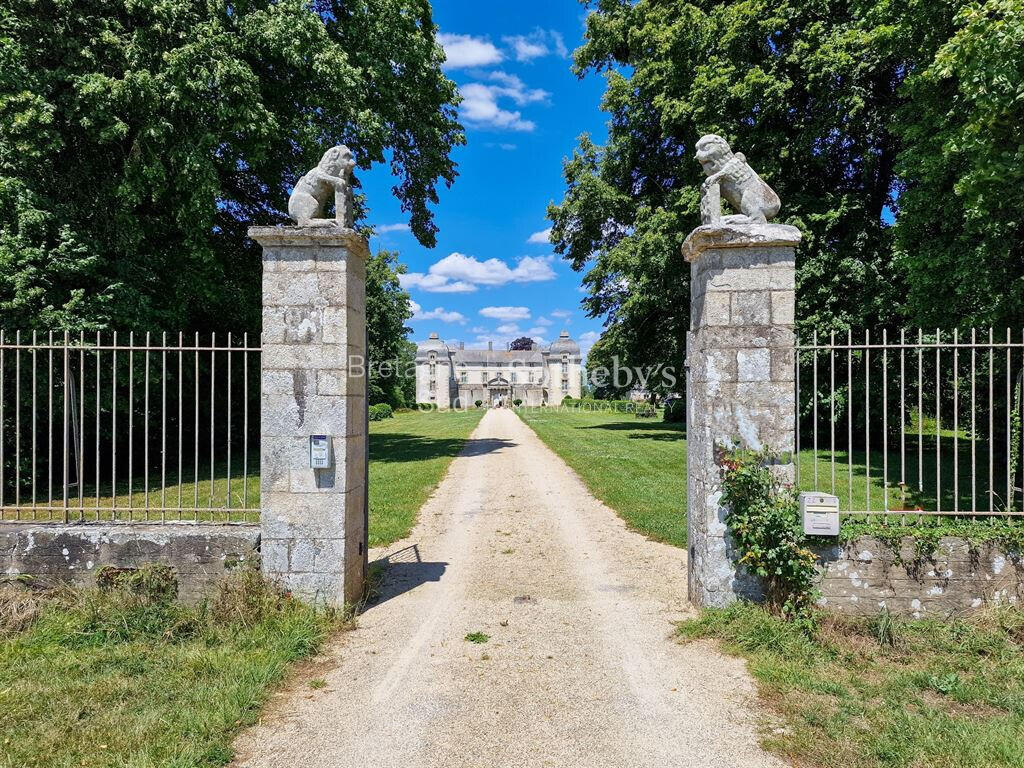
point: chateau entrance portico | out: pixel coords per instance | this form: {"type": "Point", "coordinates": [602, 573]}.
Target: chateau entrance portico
{"type": "Point", "coordinates": [500, 391]}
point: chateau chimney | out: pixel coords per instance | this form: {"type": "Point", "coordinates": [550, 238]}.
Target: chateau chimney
{"type": "Point", "coordinates": [462, 345]}
{"type": "Point", "coordinates": [490, 346]}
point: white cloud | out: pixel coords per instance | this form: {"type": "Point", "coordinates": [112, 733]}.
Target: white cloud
{"type": "Point", "coordinates": [384, 228]}
{"type": "Point", "coordinates": [544, 237]}
{"type": "Point", "coordinates": [480, 107]}
{"type": "Point", "coordinates": [458, 273]}
{"type": "Point", "coordinates": [506, 313]}
{"type": "Point", "coordinates": [542, 321]}
{"type": "Point", "coordinates": [478, 329]}
{"type": "Point", "coordinates": [508, 329]}
{"type": "Point", "coordinates": [434, 283]}
{"type": "Point", "coordinates": [500, 145]}
{"type": "Point", "coordinates": [468, 51]}
{"type": "Point", "coordinates": [587, 339]}
{"type": "Point", "coordinates": [440, 313]}
{"type": "Point", "coordinates": [536, 331]}
{"type": "Point", "coordinates": [538, 43]}
{"type": "Point", "coordinates": [561, 314]}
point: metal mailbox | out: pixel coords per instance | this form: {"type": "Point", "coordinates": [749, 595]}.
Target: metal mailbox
{"type": "Point", "coordinates": [820, 513]}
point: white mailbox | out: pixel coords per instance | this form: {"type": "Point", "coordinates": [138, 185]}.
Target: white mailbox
{"type": "Point", "coordinates": [820, 512]}
{"type": "Point", "coordinates": [320, 454]}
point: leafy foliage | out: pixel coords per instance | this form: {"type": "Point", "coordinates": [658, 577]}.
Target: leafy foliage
{"type": "Point", "coordinates": [764, 520]}
{"type": "Point", "coordinates": [139, 138]}
{"type": "Point", "coordinates": [853, 110]}
{"type": "Point", "coordinates": [392, 370]}
{"type": "Point", "coordinates": [960, 233]}
{"type": "Point", "coordinates": [381, 411]}
{"type": "Point", "coordinates": [523, 343]}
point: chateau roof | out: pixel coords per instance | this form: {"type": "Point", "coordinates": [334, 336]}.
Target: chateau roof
{"type": "Point", "coordinates": [497, 356]}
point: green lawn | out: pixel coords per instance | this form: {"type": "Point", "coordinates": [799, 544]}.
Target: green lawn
{"type": "Point", "coordinates": [635, 466]}
{"type": "Point", "coordinates": [109, 680]}
{"type": "Point", "coordinates": [884, 693]}
{"type": "Point", "coordinates": [409, 455]}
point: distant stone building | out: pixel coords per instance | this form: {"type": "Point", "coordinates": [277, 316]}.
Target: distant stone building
{"type": "Point", "coordinates": [457, 378]}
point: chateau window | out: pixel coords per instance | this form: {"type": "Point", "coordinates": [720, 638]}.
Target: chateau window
{"type": "Point", "coordinates": [565, 385]}
{"type": "Point", "coordinates": [483, 376]}
{"type": "Point", "coordinates": [565, 365]}
{"type": "Point", "coordinates": [513, 377]}
{"type": "Point", "coordinates": [464, 377]}
{"type": "Point", "coordinates": [433, 385]}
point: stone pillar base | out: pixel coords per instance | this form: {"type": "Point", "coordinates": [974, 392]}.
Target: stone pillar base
{"type": "Point", "coordinates": [740, 381]}
{"type": "Point", "coordinates": [313, 521]}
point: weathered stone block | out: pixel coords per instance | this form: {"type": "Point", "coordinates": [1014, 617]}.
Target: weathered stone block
{"type": "Point", "coordinates": [751, 308]}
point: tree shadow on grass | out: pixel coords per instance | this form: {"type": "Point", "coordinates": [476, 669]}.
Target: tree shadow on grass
{"type": "Point", "coordinates": [403, 446]}
{"type": "Point", "coordinates": [644, 430]}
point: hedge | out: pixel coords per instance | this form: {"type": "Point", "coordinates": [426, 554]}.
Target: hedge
{"type": "Point", "coordinates": [381, 411]}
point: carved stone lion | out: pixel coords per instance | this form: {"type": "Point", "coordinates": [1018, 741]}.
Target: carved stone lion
{"type": "Point", "coordinates": [729, 176]}
{"type": "Point", "coordinates": [332, 176]}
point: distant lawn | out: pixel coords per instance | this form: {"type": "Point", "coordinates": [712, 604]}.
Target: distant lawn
{"type": "Point", "coordinates": [409, 455]}
{"type": "Point", "coordinates": [884, 693]}
{"type": "Point", "coordinates": [635, 466]}
{"type": "Point", "coordinates": [108, 680]}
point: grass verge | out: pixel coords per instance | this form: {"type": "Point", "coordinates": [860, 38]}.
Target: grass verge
{"type": "Point", "coordinates": [409, 455]}
{"type": "Point", "coordinates": [129, 677]}
{"type": "Point", "coordinates": [884, 692]}
{"type": "Point", "coordinates": [635, 466]}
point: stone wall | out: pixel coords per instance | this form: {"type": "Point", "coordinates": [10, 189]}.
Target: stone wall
{"type": "Point", "coordinates": [867, 574]}
{"type": "Point", "coordinates": [73, 554]}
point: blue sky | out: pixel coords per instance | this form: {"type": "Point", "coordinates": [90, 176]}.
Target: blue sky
{"type": "Point", "coordinates": [493, 276]}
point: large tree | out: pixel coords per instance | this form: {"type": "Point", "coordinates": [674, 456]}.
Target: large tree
{"type": "Point", "coordinates": [387, 309]}
{"type": "Point", "coordinates": [820, 96]}
{"type": "Point", "coordinates": [960, 223]}
{"type": "Point", "coordinates": [139, 138]}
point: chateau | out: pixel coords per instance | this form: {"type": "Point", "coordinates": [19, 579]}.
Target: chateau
{"type": "Point", "coordinates": [457, 378]}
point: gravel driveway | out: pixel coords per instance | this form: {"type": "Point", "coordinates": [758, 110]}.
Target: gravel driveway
{"type": "Point", "coordinates": [580, 668]}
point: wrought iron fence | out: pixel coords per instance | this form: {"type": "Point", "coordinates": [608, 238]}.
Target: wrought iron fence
{"type": "Point", "coordinates": [125, 427]}
{"type": "Point", "coordinates": [913, 422]}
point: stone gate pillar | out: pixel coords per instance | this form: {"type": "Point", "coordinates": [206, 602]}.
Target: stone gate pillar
{"type": "Point", "coordinates": [740, 383]}
{"type": "Point", "coordinates": [313, 521]}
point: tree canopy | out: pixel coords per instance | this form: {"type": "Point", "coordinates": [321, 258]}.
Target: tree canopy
{"type": "Point", "coordinates": [387, 309]}
{"type": "Point", "coordinates": [523, 343]}
{"type": "Point", "coordinates": [858, 113]}
{"type": "Point", "coordinates": [139, 139]}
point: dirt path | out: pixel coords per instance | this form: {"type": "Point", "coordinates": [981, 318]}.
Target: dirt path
{"type": "Point", "coordinates": [580, 668]}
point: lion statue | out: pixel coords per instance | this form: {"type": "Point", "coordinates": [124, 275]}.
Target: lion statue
{"type": "Point", "coordinates": [729, 176]}
{"type": "Point", "coordinates": [332, 176]}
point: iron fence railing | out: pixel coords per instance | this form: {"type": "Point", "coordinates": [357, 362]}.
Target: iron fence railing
{"type": "Point", "coordinates": [913, 422]}
{"type": "Point", "coordinates": [126, 427]}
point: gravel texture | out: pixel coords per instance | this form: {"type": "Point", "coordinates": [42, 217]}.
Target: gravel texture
{"type": "Point", "coordinates": [580, 668]}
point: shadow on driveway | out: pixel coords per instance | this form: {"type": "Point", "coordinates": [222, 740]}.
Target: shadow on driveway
{"type": "Point", "coordinates": [400, 572]}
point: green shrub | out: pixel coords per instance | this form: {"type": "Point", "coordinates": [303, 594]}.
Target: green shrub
{"type": "Point", "coordinates": [381, 411]}
{"type": "Point", "coordinates": [764, 519]}
{"type": "Point", "coordinates": [517, 402]}
{"type": "Point", "coordinates": [427, 406]}
{"type": "Point", "coordinates": [478, 403]}
{"type": "Point", "coordinates": [675, 411]}
{"type": "Point", "coordinates": [646, 411]}
{"type": "Point", "coordinates": [568, 400]}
